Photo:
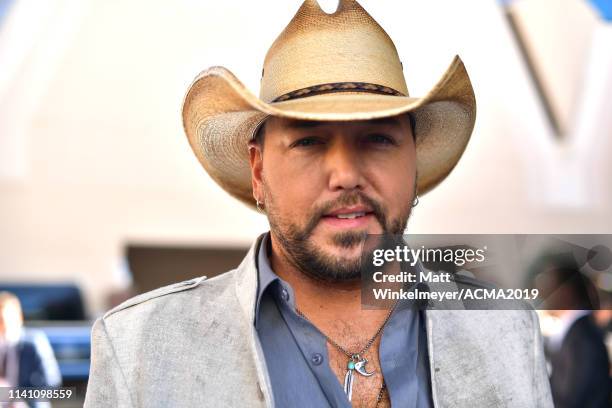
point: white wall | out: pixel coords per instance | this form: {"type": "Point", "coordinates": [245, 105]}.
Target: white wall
{"type": "Point", "coordinates": [94, 154]}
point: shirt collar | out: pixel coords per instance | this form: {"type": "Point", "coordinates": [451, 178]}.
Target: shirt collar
{"type": "Point", "coordinates": [265, 275]}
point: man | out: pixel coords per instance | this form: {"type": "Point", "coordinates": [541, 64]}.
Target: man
{"type": "Point", "coordinates": [333, 150]}
{"type": "Point", "coordinates": [26, 357]}
{"type": "Point", "coordinates": [576, 350]}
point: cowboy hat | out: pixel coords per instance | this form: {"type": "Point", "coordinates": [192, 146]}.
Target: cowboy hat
{"type": "Point", "coordinates": [326, 67]}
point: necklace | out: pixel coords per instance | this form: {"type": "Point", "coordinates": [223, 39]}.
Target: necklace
{"type": "Point", "coordinates": [355, 360]}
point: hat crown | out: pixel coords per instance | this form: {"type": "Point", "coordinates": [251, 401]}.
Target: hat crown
{"type": "Point", "coordinates": [317, 48]}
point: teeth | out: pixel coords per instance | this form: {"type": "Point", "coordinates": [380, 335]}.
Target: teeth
{"type": "Point", "coordinates": [351, 215]}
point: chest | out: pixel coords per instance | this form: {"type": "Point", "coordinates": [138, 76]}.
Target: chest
{"type": "Point", "coordinates": [366, 373]}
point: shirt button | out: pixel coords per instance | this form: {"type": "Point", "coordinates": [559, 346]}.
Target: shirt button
{"type": "Point", "coordinates": [316, 359]}
{"type": "Point", "coordinates": [285, 294]}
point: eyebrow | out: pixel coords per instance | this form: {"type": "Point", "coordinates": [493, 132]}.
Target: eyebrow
{"type": "Point", "coordinates": [309, 124]}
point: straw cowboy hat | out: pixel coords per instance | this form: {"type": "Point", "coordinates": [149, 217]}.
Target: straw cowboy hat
{"type": "Point", "coordinates": [326, 67]}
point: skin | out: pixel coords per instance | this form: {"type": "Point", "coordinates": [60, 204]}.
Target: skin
{"type": "Point", "coordinates": [306, 172]}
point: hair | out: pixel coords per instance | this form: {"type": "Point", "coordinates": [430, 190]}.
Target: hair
{"type": "Point", "coordinates": [565, 272]}
{"type": "Point", "coordinates": [7, 298]}
{"type": "Point", "coordinates": [582, 290]}
{"type": "Point", "coordinates": [260, 133]}
{"type": "Point", "coordinates": [412, 121]}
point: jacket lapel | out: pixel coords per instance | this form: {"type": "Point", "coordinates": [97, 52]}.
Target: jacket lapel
{"type": "Point", "coordinates": [246, 291]}
{"type": "Point", "coordinates": [246, 282]}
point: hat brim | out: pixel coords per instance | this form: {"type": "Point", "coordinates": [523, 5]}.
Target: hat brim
{"type": "Point", "coordinates": [220, 116]}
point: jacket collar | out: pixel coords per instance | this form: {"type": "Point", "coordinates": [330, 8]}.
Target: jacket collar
{"type": "Point", "coordinates": [246, 281]}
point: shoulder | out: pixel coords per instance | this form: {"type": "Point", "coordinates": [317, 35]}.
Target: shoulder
{"type": "Point", "coordinates": [585, 334]}
{"type": "Point", "coordinates": [156, 293]}
{"type": "Point", "coordinates": [181, 311]}
{"type": "Point", "coordinates": [33, 339]}
{"type": "Point", "coordinates": [189, 318]}
{"type": "Point", "coordinates": [184, 290]}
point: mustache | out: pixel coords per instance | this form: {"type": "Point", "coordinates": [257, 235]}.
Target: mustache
{"type": "Point", "coordinates": [347, 199]}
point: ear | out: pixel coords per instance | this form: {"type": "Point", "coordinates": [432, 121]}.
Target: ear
{"type": "Point", "coordinates": [256, 162]}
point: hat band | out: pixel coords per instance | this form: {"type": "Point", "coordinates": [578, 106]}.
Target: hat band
{"type": "Point", "coordinates": [334, 87]}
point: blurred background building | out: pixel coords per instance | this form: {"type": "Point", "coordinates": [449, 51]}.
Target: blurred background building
{"type": "Point", "coordinates": [101, 196]}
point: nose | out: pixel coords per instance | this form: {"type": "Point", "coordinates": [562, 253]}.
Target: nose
{"type": "Point", "coordinates": [344, 167]}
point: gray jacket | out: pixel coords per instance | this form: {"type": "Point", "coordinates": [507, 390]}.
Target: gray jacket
{"type": "Point", "coordinates": [193, 344]}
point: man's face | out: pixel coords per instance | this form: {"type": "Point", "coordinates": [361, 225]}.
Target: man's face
{"type": "Point", "coordinates": [325, 185]}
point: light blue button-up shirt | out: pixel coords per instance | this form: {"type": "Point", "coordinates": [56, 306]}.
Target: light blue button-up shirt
{"type": "Point", "coordinates": [296, 351]}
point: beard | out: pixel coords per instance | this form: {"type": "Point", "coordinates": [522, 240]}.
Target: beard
{"type": "Point", "coordinates": [315, 262]}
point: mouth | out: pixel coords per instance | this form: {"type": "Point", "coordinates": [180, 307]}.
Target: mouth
{"type": "Point", "coordinates": [349, 217]}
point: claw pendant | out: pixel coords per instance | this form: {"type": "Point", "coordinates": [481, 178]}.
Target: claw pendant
{"type": "Point", "coordinates": [354, 364]}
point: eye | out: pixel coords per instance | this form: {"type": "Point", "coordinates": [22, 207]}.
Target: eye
{"type": "Point", "coordinates": [306, 142]}
{"type": "Point", "coordinates": [379, 138]}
